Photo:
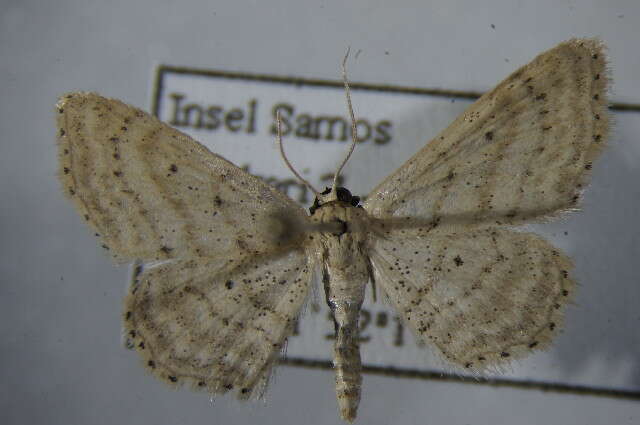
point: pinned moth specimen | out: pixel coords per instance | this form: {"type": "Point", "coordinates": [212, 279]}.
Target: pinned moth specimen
{"type": "Point", "coordinates": [226, 261]}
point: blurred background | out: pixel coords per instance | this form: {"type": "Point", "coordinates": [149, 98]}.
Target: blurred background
{"type": "Point", "coordinates": [62, 361]}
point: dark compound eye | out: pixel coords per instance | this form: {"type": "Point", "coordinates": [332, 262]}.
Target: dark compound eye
{"type": "Point", "coordinates": [315, 206]}
{"type": "Point", "coordinates": [344, 195]}
{"type": "Point", "coordinates": [316, 203]}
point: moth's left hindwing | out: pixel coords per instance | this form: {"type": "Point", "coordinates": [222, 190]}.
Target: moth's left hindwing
{"type": "Point", "coordinates": [217, 325]}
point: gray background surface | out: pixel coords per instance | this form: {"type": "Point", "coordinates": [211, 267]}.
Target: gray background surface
{"type": "Point", "coordinates": [61, 361]}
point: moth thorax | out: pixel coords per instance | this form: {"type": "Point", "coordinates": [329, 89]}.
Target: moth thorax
{"type": "Point", "coordinates": [338, 212]}
{"type": "Point", "coordinates": [339, 217]}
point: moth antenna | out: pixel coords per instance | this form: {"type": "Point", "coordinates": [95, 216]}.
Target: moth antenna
{"type": "Point", "coordinates": [354, 129]}
{"type": "Point", "coordinates": [286, 160]}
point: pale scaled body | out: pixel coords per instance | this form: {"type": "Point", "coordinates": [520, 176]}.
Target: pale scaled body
{"type": "Point", "coordinates": [226, 261]}
{"type": "Point", "coordinates": [344, 258]}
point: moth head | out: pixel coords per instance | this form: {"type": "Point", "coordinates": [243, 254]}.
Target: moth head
{"type": "Point", "coordinates": [341, 195]}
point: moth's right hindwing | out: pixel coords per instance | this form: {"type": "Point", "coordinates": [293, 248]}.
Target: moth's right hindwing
{"type": "Point", "coordinates": [481, 296]}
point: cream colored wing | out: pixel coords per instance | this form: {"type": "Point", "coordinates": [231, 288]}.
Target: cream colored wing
{"type": "Point", "coordinates": [481, 296]}
{"type": "Point", "coordinates": [521, 152]}
{"type": "Point", "coordinates": [154, 193]}
{"type": "Point", "coordinates": [213, 324]}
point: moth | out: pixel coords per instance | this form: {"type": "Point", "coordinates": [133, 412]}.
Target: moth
{"type": "Point", "coordinates": [226, 261]}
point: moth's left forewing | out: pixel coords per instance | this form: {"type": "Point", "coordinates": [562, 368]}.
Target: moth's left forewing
{"type": "Point", "coordinates": [521, 152]}
{"type": "Point", "coordinates": [153, 193]}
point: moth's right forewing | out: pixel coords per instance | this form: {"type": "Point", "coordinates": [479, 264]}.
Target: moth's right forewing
{"type": "Point", "coordinates": [522, 152]}
{"type": "Point", "coordinates": [216, 325]}
{"type": "Point", "coordinates": [152, 192]}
